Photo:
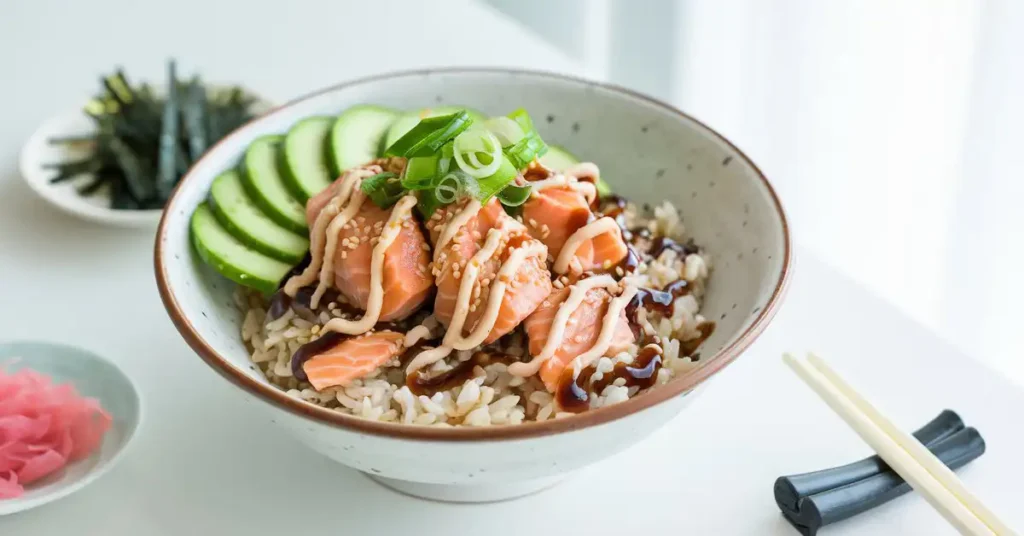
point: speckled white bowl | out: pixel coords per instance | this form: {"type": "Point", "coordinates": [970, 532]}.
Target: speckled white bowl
{"type": "Point", "coordinates": [647, 150]}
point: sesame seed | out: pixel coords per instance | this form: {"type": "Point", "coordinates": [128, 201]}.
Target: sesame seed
{"type": "Point", "coordinates": [344, 254]}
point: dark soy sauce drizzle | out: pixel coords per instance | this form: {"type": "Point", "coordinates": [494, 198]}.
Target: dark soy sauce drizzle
{"type": "Point", "coordinates": [630, 262]}
{"type": "Point", "coordinates": [660, 301]}
{"type": "Point", "coordinates": [312, 349]}
{"type": "Point", "coordinates": [574, 394]}
{"type": "Point", "coordinates": [688, 348]}
{"type": "Point", "coordinates": [420, 385]}
{"type": "Point", "coordinates": [663, 243]}
{"type": "Point", "coordinates": [280, 302]}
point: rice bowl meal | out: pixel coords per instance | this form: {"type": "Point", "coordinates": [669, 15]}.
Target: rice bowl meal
{"type": "Point", "coordinates": [445, 268]}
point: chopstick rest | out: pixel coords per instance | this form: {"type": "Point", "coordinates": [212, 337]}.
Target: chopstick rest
{"type": "Point", "coordinates": [908, 457]}
{"type": "Point", "coordinates": [828, 506]}
{"type": "Point", "coordinates": [790, 489]}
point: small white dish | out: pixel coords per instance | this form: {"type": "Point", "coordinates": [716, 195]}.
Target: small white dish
{"type": "Point", "coordinates": [92, 376]}
{"type": "Point", "coordinates": [38, 152]}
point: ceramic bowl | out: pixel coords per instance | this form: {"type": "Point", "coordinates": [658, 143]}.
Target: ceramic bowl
{"type": "Point", "coordinates": [647, 150]}
{"type": "Point", "coordinates": [92, 376]}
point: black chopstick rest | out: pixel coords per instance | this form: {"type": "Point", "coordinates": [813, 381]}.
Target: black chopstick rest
{"type": "Point", "coordinates": [789, 489]}
{"type": "Point", "coordinates": [812, 500]}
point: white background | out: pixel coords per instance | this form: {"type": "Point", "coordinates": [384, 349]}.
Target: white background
{"type": "Point", "coordinates": [809, 90]}
{"type": "Point", "coordinates": [890, 126]}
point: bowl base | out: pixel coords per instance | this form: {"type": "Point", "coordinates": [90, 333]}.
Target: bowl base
{"type": "Point", "coordinates": [467, 493]}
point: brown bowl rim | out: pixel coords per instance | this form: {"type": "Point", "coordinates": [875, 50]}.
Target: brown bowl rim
{"type": "Point", "coordinates": [677, 387]}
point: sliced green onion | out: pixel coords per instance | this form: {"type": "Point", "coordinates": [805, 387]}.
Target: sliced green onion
{"type": "Point", "coordinates": [384, 189]}
{"type": "Point", "coordinates": [523, 152]}
{"type": "Point", "coordinates": [448, 190]}
{"type": "Point", "coordinates": [523, 120]}
{"type": "Point", "coordinates": [420, 173]}
{"type": "Point", "coordinates": [444, 159]}
{"type": "Point", "coordinates": [514, 195]}
{"type": "Point", "coordinates": [491, 185]}
{"type": "Point", "coordinates": [505, 129]}
{"type": "Point", "coordinates": [429, 135]}
{"type": "Point", "coordinates": [530, 146]}
{"type": "Point", "coordinates": [477, 152]}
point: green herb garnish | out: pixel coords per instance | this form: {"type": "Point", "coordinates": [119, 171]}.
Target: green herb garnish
{"type": "Point", "coordinates": [384, 189]}
{"type": "Point", "coordinates": [430, 134]}
{"type": "Point", "coordinates": [513, 195]}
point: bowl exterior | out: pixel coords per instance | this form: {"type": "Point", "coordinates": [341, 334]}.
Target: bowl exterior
{"type": "Point", "coordinates": [647, 151]}
{"type": "Point", "coordinates": [477, 462]}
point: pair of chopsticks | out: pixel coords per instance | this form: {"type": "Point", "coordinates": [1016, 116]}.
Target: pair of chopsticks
{"type": "Point", "coordinates": [904, 454]}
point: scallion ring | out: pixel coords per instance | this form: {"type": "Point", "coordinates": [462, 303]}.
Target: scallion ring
{"type": "Point", "coordinates": [506, 130]}
{"type": "Point", "coordinates": [477, 152]}
{"type": "Point", "coordinates": [449, 189]}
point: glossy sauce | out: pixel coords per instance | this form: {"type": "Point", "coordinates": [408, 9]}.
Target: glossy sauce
{"type": "Point", "coordinates": [573, 394]}
{"type": "Point", "coordinates": [688, 348]}
{"type": "Point", "coordinates": [663, 243]}
{"type": "Point", "coordinates": [419, 384]}
{"type": "Point", "coordinates": [662, 302]}
{"type": "Point", "coordinates": [280, 301]}
{"type": "Point", "coordinates": [630, 262]}
{"type": "Point", "coordinates": [536, 172]}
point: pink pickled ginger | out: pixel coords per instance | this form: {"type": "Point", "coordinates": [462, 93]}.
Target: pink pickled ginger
{"type": "Point", "coordinates": [43, 427]}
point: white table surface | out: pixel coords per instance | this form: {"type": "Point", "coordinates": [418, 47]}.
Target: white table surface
{"type": "Point", "coordinates": [204, 464]}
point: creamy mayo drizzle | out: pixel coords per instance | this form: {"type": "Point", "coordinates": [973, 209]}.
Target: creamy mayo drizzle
{"type": "Point", "coordinates": [505, 275]}
{"type": "Point", "coordinates": [583, 169]}
{"type": "Point", "coordinates": [611, 318]}
{"type": "Point", "coordinates": [466, 284]}
{"type": "Point", "coordinates": [586, 189]}
{"type": "Point", "coordinates": [587, 232]}
{"type": "Point", "coordinates": [319, 234]}
{"type": "Point", "coordinates": [454, 339]}
{"type": "Point", "coordinates": [416, 335]}
{"type": "Point", "coordinates": [449, 231]}
{"type": "Point", "coordinates": [556, 335]}
{"type": "Point", "coordinates": [401, 212]}
{"type": "Point", "coordinates": [333, 230]}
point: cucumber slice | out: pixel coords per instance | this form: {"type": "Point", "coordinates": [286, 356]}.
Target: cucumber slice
{"type": "Point", "coordinates": [559, 159]}
{"type": "Point", "coordinates": [262, 178]}
{"type": "Point", "coordinates": [243, 219]}
{"type": "Point", "coordinates": [356, 135]}
{"type": "Point", "coordinates": [306, 169]}
{"type": "Point", "coordinates": [231, 258]}
{"type": "Point", "coordinates": [408, 120]}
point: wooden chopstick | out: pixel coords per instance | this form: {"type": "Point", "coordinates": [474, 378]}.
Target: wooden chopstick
{"type": "Point", "coordinates": [905, 461]}
{"type": "Point", "coordinates": [921, 454]}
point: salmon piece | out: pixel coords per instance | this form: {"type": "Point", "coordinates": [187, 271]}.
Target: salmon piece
{"type": "Point", "coordinates": [489, 216]}
{"type": "Point", "coordinates": [406, 276]}
{"type": "Point", "coordinates": [581, 331]}
{"type": "Point", "coordinates": [353, 358]}
{"type": "Point", "coordinates": [528, 286]}
{"type": "Point", "coordinates": [554, 214]}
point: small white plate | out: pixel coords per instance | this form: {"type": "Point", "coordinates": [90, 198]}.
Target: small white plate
{"type": "Point", "coordinates": [38, 152]}
{"type": "Point", "coordinates": [92, 376]}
